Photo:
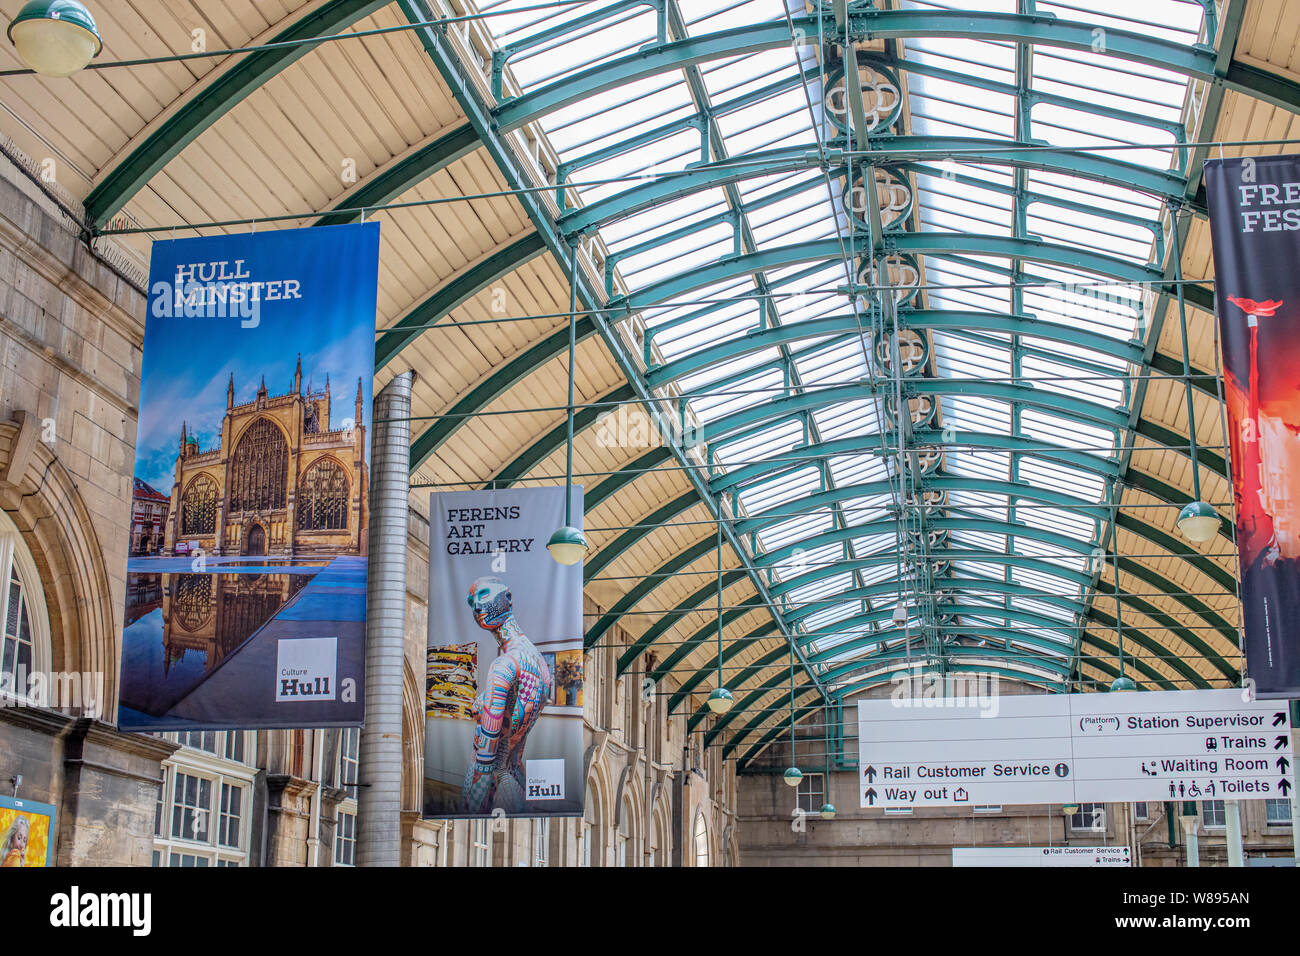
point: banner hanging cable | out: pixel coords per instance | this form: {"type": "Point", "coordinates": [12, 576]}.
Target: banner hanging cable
{"type": "Point", "coordinates": [313, 41]}
{"type": "Point", "coordinates": [669, 175]}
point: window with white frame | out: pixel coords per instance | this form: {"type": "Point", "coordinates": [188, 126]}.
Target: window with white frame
{"type": "Point", "coordinates": [1142, 810]}
{"type": "Point", "coordinates": [345, 777]}
{"type": "Point", "coordinates": [541, 841]}
{"type": "Point", "coordinates": [624, 838]}
{"type": "Point", "coordinates": [481, 844]}
{"type": "Point", "coordinates": [702, 856]}
{"type": "Point", "coordinates": [1089, 816]}
{"type": "Point", "coordinates": [345, 839]}
{"type": "Point", "coordinates": [26, 628]}
{"type": "Point", "coordinates": [1213, 813]}
{"type": "Point", "coordinates": [812, 792]}
{"type": "Point", "coordinates": [349, 760]}
{"type": "Point", "coordinates": [202, 817]}
{"type": "Point", "coordinates": [1277, 812]}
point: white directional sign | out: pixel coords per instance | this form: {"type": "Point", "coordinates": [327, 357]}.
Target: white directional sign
{"type": "Point", "coordinates": [1068, 748]}
{"type": "Point", "coordinates": [1040, 856]}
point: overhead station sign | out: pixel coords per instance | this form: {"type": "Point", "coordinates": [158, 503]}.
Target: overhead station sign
{"type": "Point", "coordinates": [1070, 748]}
{"type": "Point", "coordinates": [1040, 856]}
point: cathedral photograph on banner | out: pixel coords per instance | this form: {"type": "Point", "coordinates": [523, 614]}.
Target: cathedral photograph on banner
{"type": "Point", "coordinates": [503, 681]}
{"type": "Point", "coordinates": [246, 585]}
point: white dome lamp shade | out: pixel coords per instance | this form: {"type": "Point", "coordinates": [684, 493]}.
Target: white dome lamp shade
{"type": "Point", "coordinates": [1198, 522]}
{"type": "Point", "coordinates": [567, 545]}
{"type": "Point", "coordinates": [720, 700]}
{"type": "Point", "coordinates": [56, 38]}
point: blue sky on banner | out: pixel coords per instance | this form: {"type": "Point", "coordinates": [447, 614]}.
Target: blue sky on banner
{"type": "Point", "coordinates": [328, 317]}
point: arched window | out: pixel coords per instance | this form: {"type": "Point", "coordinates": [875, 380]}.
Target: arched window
{"type": "Point", "coordinates": [199, 507]}
{"type": "Point", "coordinates": [701, 840]}
{"type": "Point", "coordinates": [259, 470]}
{"type": "Point", "coordinates": [590, 831]}
{"type": "Point", "coordinates": [24, 626]}
{"type": "Point", "coordinates": [625, 836]}
{"type": "Point", "coordinates": [192, 600]}
{"type": "Point", "coordinates": [323, 497]}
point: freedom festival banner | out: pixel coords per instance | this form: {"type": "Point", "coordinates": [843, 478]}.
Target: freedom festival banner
{"type": "Point", "coordinates": [1254, 208]}
{"type": "Point", "coordinates": [503, 687]}
{"type": "Point", "coordinates": [246, 581]}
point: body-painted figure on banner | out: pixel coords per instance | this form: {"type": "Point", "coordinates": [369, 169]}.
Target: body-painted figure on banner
{"type": "Point", "coordinates": [506, 707]}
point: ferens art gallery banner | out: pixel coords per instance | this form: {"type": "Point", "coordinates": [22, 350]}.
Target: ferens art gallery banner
{"type": "Point", "coordinates": [503, 690]}
{"type": "Point", "coordinates": [246, 585]}
{"type": "Point", "coordinates": [1255, 225]}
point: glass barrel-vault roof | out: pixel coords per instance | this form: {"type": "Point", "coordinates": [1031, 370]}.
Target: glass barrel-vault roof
{"type": "Point", "coordinates": [1027, 271]}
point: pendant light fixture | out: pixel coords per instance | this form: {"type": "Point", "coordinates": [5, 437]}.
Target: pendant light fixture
{"type": "Point", "coordinates": [1198, 522]}
{"type": "Point", "coordinates": [1122, 682]}
{"type": "Point", "coordinates": [720, 700]}
{"type": "Point", "coordinates": [567, 544]}
{"type": "Point", "coordinates": [793, 775]}
{"type": "Point", "coordinates": [56, 38]}
{"type": "Point", "coordinates": [828, 808]}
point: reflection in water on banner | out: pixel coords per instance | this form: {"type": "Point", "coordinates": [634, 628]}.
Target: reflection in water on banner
{"type": "Point", "coordinates": [181, 627]}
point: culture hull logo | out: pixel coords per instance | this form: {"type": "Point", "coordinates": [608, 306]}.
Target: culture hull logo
{"type": "Point", "coordinates": [545, 779]}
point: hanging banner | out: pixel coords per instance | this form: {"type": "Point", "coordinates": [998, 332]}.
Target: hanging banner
{"type": "Point", "coordinates": [503, 688]}
{"type": "Point", "coordinates": [246, 581]}
{"type": "Point", "coordinates": [1255, 233]}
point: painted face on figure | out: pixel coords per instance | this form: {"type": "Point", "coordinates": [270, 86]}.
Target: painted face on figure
{"type": "Point", "coordinates": [489, 599]}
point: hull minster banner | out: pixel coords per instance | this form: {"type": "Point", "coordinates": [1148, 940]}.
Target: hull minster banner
{"type": "Point", "coordinates": [246, 582]}
{"type": "Point", "coordinates": [1255, 225]}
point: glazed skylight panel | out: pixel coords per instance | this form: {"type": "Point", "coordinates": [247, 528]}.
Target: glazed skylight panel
{"type": "Point", "coordinates": [765, 385]}
{"type": "Point", "coordinates": [857, 469]}
{"type": "Point", "coordinates": [772, 441]}
{"type": "Point", "coordinates": [818, 597]}
{"type": "Point", "coordinates": [812, 559]}
{"type": "Point", "coordinates": [825, 619]}
{"type": "Point", "coordinates": [795, 529]}
{"type": "Point", "coordinates": [685, 214]}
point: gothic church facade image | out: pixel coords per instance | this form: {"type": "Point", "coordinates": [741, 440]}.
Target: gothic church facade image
{"type": "Point", "coordinates": [284, 480]}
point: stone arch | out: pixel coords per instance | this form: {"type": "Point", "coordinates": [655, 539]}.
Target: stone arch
{"type": "Point", "coordinates": [660, 828]}
{"type": "Point", "coordinates": [629, 809]}
{"type": "Point", "coordinates": [84, 612]}
{"type": "Point", "coordinates": [598, 812]}
{"type": "Point", "coordinates": [412, 741]}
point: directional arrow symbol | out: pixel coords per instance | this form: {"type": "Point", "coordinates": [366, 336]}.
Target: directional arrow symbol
{"type": "Point", "coordinates": [871, 796]}
{"type": "Point", "coordinates": [1283, 764]}
{"type": "Point", "coordinates": [1284, 785]}
{"type": "Point", "coordinates": [871, 774]}
{"type": "Point", "coordinates": [1279, 718]}
{"type": "Point", "coordinates": [1280, 742]}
